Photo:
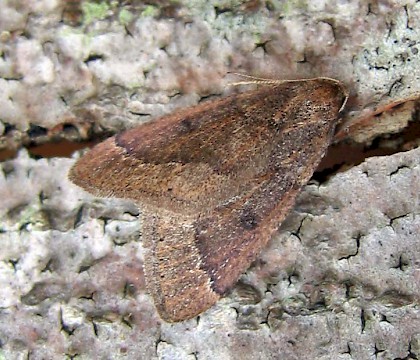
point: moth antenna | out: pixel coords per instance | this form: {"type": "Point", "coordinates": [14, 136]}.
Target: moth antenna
{"type": "Point", "coordinates": [254, 80]}
{"type": "Point", "coordinates": [263, 81]}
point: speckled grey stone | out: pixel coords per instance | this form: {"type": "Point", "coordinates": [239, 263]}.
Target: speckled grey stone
{"type": "Point", "coordinates": [339, 281]}
{"type": "Point", "coordinates": [125, 62]}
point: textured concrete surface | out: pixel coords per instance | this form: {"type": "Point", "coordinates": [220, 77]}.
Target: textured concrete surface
{"type": "Point", "coordinates": [340, 281]}
{"type": "Point", "coordinates": [68, 67]}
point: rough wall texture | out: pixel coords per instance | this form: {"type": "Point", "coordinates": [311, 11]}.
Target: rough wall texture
{"type": "Point", "coordinates": [342, 278]}
{"type": "Point", "coordinates": [107, 65]}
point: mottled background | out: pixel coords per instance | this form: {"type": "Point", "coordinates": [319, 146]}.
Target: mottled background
{"type": "Point", "coordinates": [341, 280]}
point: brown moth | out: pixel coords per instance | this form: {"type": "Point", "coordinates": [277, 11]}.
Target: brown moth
{"type": "Point", "coordinates": [214, 182]}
